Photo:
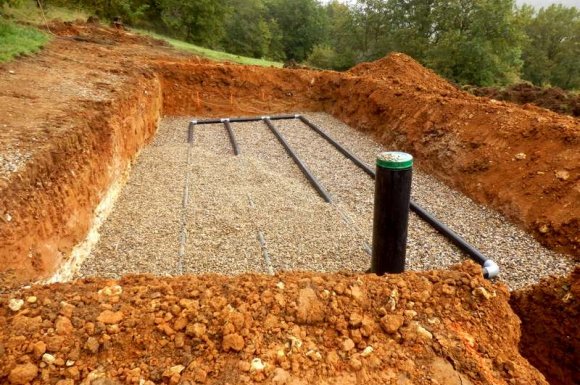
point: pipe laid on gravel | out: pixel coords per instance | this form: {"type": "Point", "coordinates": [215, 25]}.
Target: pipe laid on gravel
{"type": "Point", "coordinates": [232, 136]}
{"type": "Point", "coordinates": [490, 268]}
{"type": "Point", "coordinates": [307, 173]}
{"type": "Point", "coordinates": [245, 119]}
{"type": "Point", "coordinates": [190, 131]}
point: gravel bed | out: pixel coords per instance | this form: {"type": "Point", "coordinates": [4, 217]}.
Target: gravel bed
{"type": "Point", "coordinates": [140, 235]}
{"type": "Point", "coordinates": [232, 200]}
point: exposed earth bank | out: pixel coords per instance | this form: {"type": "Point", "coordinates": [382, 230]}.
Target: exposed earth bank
{"type": "Point", "coordinates": [446, 327]}
{"type": "Point", "coordinates": [550, 340]}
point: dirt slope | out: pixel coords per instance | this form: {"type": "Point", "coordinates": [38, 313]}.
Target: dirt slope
{"type": "Point", "coordinates": [452, 327]}
{"type": "Point", "coordinates": [550, 332]}
{"type": "Point", "coordinates": [524, 162]}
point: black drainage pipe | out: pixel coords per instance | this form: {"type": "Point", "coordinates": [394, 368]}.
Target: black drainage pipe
{"type": "Point", "coordinates": [190, 132]}
{"type": "Point", "coordinates": [307, 173]}
{"type": "Point", "coordinates": [343, 150]}
{"type": "Point", "coordinates": [232, 136]}
{"type": "Point", "coordinates": [245, 119]}
{"type": "Point", "coordinates": [490, 268]}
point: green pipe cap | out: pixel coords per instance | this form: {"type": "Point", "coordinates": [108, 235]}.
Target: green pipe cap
{"type": "Point", "coordinates": [395, 160]}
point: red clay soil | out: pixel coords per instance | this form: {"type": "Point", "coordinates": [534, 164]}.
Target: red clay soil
{"type": "Point", "coordinates": [552, 98]}
{"type": "Point", "coordinates": [446, 327]}
{"type": "Point", "coordinates": [74, 116]}
{"type": "Point", "coordinates": [550, 339]}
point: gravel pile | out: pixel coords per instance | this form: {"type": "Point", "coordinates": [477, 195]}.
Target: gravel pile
{"type": "Point", "coordinates": [257, 212]}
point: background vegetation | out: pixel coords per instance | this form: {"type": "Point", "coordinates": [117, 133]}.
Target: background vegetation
{"type": "Point", "coordinates": [477, 42]}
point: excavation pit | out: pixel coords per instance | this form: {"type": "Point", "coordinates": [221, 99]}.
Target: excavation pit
{"type": "Point", "coordinates": [193, 208]}
{"type": "Point", "coordinates": [66, 147]}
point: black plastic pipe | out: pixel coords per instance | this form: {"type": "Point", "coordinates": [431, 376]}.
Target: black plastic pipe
{"type": "Point", "coordinates": [245, 119]}
{"type": "Point", "coordinates": [232, 137]}
{"type": "Point", "coordinates": [307, 173]}
{"type": "Point", "coordinates": [190, 132]}
{"type": "Point", "coordinates": [391, 212]}
{"type": "Point", "coordinates": [490, 268]}
{"type": "Point", "coordinates": [343, 150]}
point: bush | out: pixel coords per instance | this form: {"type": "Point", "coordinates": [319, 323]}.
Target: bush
{"type": "Point", "coordinates": [322, 56]}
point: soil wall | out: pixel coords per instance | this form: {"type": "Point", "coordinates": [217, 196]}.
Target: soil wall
{"type": "Point", "coordinates": [550, 339]}
{"type": "Point", "coordinates": [225, 90]}
{"type": "Point", "coordinates": [52, 202]}
{"type": "Point", "coordinates": [519, 161]}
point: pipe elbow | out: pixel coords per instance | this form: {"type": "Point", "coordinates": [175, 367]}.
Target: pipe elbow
{"type": "Point", "coordinates": [193, 122]}
{"type": "Point", "coordinates": [490, 269]}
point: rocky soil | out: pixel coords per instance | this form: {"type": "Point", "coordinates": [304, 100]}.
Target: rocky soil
{"type": "Point", "coordinates": [447, 327]}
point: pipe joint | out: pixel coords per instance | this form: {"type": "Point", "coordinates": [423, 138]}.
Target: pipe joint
{"type": "Point", "coordinates": [490, 269]}
{"type": "Point", "coordinates": [265, 117]}
{"type": "Point", "coordinates": [225, 120]}
{"type": "Point", "coordinates": [296, 116]}
{"type": "Point", "coordinates": [193, 122]}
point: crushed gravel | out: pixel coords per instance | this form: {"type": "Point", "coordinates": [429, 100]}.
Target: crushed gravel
{"type": "Point", "coordinates": [257, 212]}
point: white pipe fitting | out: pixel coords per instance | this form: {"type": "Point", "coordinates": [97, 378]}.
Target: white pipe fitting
{"type": "Point", "coordinates": [490, 269]}
{"type": "Point", "coordinates": [193, 122]}
{"type": "Point", "coordinates": [265, 117]}
{"type": "Point", "coordinates": [225, 120]}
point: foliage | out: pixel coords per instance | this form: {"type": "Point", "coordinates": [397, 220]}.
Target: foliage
{"type": "Point", "coordinates": [322, 56]}
{"type": "Point", "coordinates": [475, 41]}
{"type": "Point", "coordinates": [249, 33]}
{"type": "Point", "coordinates": [16, 40]}
{"type": "Point", "coordinates": [479, 42]}
{"type": "Point", "coordinates": [302, 23]}
{"type": "Point", "coordinates": [552, 55]}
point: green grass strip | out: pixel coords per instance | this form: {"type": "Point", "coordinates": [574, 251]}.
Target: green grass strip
{"type": "Point", "coordinates": [17, 40]}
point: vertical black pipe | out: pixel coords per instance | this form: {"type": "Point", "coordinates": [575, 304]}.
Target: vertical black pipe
{"type": "Point", "coordinates": [232, 137]}
{"type": "Point", "coordinates": [391, 215]}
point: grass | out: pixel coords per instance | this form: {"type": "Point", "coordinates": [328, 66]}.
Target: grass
{"type": "Point", "coordinates": [209, 53]}
{"type": "Point", "coordinates": [28, 12]}
{"type": "Point", "coordinates": [17, 40]}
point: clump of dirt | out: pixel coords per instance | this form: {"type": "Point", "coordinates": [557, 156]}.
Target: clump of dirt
{"type": "Point", "coordinates": [551, 98]}
{"type": "Point", "coordinates": [453, 327]}
{"type": "Point", "coordinates": [401, 70]}
{"type": "Point", "coordinates": [550, 340]}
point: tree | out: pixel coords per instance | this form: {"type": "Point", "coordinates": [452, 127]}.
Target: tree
{"type": "Point", "coordinates": [198, 21]}
{"type": "Point", "coordinates": [552, 54]}
{"type": "Point", "coordinates": [475, 41]}
{"type": "Point", "coordinates": [247, 32]}
{"type": "Point", "coordinates": [342, 36]}
{"type": "Point", "coordinates": [302, 23]}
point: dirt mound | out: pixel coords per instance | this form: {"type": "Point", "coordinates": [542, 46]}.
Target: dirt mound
{"type": "Point", "coordinates": [92, 32]}
{"type": "Point", "coordinates": [450, 326]}
{"type": "Point", "coordinates": [401, 70]}
{"type": "Point", "coordinates": [550, 312]}
{"type": "Point", "coordinates": [552, 98]}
